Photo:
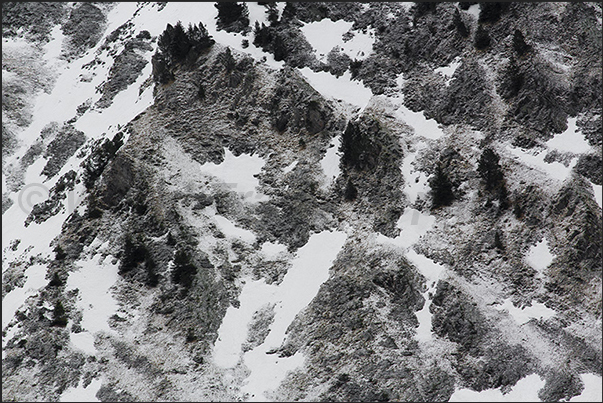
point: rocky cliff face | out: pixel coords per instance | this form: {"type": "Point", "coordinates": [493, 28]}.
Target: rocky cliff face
{"type": "Point", "coordinates": [301, 201]}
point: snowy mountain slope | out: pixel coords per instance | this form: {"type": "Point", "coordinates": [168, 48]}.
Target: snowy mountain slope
{"type": "Point", "coordinates": [344, 201]}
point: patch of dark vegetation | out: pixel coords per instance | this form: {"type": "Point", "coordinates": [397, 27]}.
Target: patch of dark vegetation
{"type": "Point", "coordinates": [591, 167]}
{"type": "Point", "coordinates": [441, 188]}
{"type": "Point", "coordinates": [126, 68]}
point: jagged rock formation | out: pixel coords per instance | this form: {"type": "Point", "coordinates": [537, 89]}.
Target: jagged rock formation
{"type": "Point", "coordinates": [185, 201]}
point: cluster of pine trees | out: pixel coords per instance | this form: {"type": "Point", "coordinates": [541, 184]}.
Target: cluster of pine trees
{"type": "Point", "coordinates": [176, 46]}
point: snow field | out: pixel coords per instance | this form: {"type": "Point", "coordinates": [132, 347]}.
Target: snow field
{"type": "Point", "coordinates": [342, 88]}
{"type": "Point", "coordinates": [324, 35]}
{"type": "Point", "coordinates": [523, 315]}
{"type": "Point", "coordinates": [81, 393]}
{"type": "Point", "coordinates": [571, 140]}
{"type": "Point", "coordinates": [310, 268]}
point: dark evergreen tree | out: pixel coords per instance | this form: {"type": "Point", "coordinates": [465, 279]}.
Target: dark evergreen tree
{"type": "Point", "coordinates": [184, 270]}
{"type": "Point", "coordinates": [59, 318]}
{"type": "Point", "coordinates": [59, 253]}
{"type": "Point", "coordinates": [490, 12]}
{"type": "Point", "coordinates": [358, 148]}
{"type": "Point", "coordinates": [55, 281]}
{"type": "Point", "coordinates": [489, 169]}
{"type": "Point", "coordinates": [232, 16]}
{"type": "Point", "coordinates": [350, 192]}
{"type": "Point", "coordinates": [512, 80]}
{"type": "Point", "coordinates": [442, 193]}
{"type": "Point", "coordinates": [482, 38]}
{"type": "Point", "coordinates": [134, 253]}
{"type": "Point", "coordinates": [459, 25]}
{"type": "Point", "coordinates": [519, 43]}
{"type": "Point", "coordinates": [464, 5]}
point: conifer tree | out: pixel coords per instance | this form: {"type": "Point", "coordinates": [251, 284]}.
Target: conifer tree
{"type": "Point", "coordinates": [441, 188]}
{"type": "Point", "coordinates": [482, 38]}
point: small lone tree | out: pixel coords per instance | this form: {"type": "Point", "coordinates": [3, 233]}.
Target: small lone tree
{"type": "Point", "coordinates": [442, 193]}
{"type": "Point", "coordinates": [59, 318]}
{"type": "Point", "coordinates": [519, 44]}
{"type": "Point", "coordinates": [350, 192]}
{"type": "Point", "coordinates": [482, 38]}
{"type": "Point", "coordinates": [459, 25]}
{"type": "Point", "coordinates": [489, 169]}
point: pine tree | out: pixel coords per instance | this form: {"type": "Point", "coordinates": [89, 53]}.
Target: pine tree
{"type": "Point", "coordinates": [459, 25]}
{"type": "Point", "coordinates": [512, 80]}
{"type": "Point", "coordinates": [519, 43]}
{"type": "Point", "coordinates": [59, 318]}
{"type": "Point", "coordinates": [482, 38]}
{"type": "Point", "coordinates": [441, 189]}
{"type": "Point", "coordinates": [350, 192]}
{"type": "Point", "coordinates": [232, 16]}
{"type": "Point", "coordinates": [489, 169]}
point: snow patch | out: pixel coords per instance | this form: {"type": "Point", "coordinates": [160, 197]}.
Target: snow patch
{"type": "Point", "coordinates": [83, 341]}
{"type": "Point", "coordinates": [330, 162]}
{"type": "Point", "coordinates": [310, 268]}
{"type": "Point", "coordinates": [593, 389]}
{"type": "Point", "coordinates": [474, 11]}
{"type": "Point", "coordinates": [539, 256]}
{"type": "Point", "coordinates": [571, 140]}
{"type": "Point", "coordinates": [342, 88]}
{"type": "Point", "coordinates": [535, 160]}
{"type": "Point", "coordinates": [324, 35]}
{"type": "Point", "coordinates": [598, 189]}
{"type": "Point", "coordinates": [524, 315]}
{"type": "Point", "coordinates": [94, 280]}
{"type": "Point", "coordinates": [448, 71]}
{"type": "Point", "coordinates": [81, 393]}
{"type": "Point", "coordinates": [413, 225]}
{"type": "Point", "coordinates": [239, 174]}
{"type": "Point", "coordinates": [525, 390]}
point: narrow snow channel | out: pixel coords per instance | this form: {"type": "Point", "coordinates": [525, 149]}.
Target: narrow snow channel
{"type": "Point", "coordinates": [330, 162]}
{"type": "Point", "coordinates": [310, 268]}
{"type": "Point", "coordinates": [432, 272]}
